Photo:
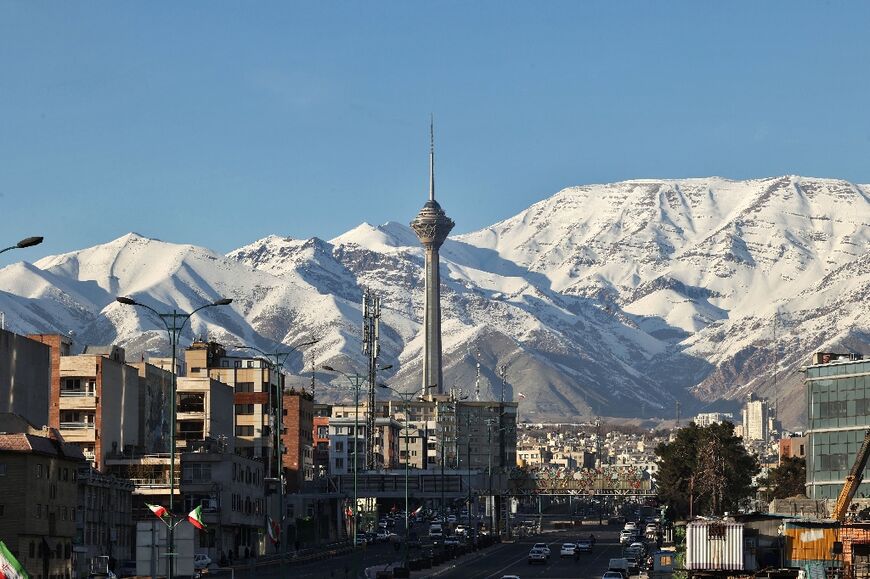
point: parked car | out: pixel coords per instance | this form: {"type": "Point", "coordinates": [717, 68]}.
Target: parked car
{"type": "Point", "coordinates": [567, 550]}
{"type": "Point", "coordinates": [201, 561]}
{"type": "Point", "coordinates": [537, 556]}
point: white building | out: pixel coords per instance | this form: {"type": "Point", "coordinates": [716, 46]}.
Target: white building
{"type": "Point", "coordinates": [755, 420]}
{"type": "Point", "coordinates": [709, 418]}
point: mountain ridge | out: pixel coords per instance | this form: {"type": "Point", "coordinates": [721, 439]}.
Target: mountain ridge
{"type": "Point", "coordinates": [615, 299]}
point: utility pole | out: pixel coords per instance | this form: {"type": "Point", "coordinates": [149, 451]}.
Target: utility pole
{"type": "Point", "coordinates": [678, 413]}
{"type": "Point", "coordinates": [372, 348]}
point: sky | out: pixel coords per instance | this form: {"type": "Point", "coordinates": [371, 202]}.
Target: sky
{"type": "Point", "coordinates": [219, 123]}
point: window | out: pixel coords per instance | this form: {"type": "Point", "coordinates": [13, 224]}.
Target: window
{"type": "Point", "coordinates": [2, 469]}
{"type": "Point", "coordinates": [339, 463]}
{"type": "Point", "coordinates": [32, 550]}
{"type": "Point", "coordinates": [339, 446]}
{"type": "Point", "coordinates": [244, 409]}
{"type": "Point", "coordinates": [38, 471]}
{"type": "Point", "coordinates": [244, 430]}
{"type": "Point", "coordinates": [38, 511]}
{"type": "Point", "coordinates": [244, 386]}
{"type": "Point", "coordinates": [322, 432]}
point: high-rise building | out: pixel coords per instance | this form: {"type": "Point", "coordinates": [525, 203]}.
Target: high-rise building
{"type": "Point", "coordinates": [838, 415]}
{"type": "Point", "coordinates": [432, 227]}
{"type": "Point", "coordinates": [709, 418]}
{"type": "Point", "coordinates": [755, 420]}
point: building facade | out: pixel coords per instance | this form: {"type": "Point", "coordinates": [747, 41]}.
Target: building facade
{"type": "Point", "coordinates": [98, 403]}
{"type": "Point", "coordinates": [756, 420]}
{"type": "Point", "coordinates": [104, 519]}
{"type": "Point", "coordinates": [25, 377]}
{"type": "Point", "coordinates": [297, 439]}
{"type": "Point", "coordinates": [38, 497]}
{"type": "Point", "coordinates": [838, 413]}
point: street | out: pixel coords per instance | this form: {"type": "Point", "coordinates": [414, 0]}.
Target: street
{"type": "Point", "coordinates": [491, 563]}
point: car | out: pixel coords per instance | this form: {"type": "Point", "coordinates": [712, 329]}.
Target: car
{"type": "Point", "coordinates": [436, 530]}
{"type": "Point", "coordinates": [630, 526]}
{"type": "Point", "coordinates": [201, 561]}
{"type": "Point", "coordinates": [451, 540]}
{"type": "Point", "coordinates": [510, 577]}
{"type": "Point", "coordinates": [451, 519]}
{"type": "Point", "coordinates": [626, 537]}
{"type": "Point", "coordinates": [543, 547]}
{"type": "Point", "coordinates": [461, 530]}
{"type": "Point", "coordinates": [537, 556]}
{"type": "Point", "coordinates": [612, 575]}
{"type": "Point", "coordinates": [567, 550]}
{"type": "Point", "coordinates": [584, 545]}
{"type": "Point", "coordinates": [636, 549]}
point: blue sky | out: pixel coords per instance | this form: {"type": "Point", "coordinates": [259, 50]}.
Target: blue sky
{"type": "Point", "coordinates": [219, 123]}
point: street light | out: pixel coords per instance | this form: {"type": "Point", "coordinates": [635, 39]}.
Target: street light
{"type": "Point", "coordinates": [406, 398]}
{"type": "Point", "coordinates": [174, 332]}
{"type": "Point", "coordinates": [26, 242]}
{"type": "Point", "coordinates": [280, 358]}
{"type": "Point", "coordinates": [356, 381]}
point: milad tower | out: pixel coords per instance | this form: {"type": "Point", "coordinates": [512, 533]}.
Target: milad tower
{"type": "Point", "coordinates": [432, 227]}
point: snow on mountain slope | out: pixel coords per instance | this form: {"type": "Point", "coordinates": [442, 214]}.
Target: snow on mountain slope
{"type": "Point", "coordinates": [616, 299]}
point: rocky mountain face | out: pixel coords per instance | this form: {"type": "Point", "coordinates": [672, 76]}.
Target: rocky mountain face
{"type": "Point", "coordinates": [616, 300]}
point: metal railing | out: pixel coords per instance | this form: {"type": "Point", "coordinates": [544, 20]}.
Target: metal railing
{"type": "Point", "coordinates": [77, 425]}
{"type": "Point", "coordinates": [77, 393]}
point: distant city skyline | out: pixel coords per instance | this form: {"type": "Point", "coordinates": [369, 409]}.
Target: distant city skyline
{"type": "Point", "coordinates": [178, 121]}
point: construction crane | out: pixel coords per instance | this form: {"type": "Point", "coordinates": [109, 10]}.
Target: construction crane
{"type": "Point", "coordinates": [853, 481]}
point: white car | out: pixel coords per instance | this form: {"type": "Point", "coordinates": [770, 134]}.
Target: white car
{"type": "Point", "coordinates": [568, 550]}
{"type": "Point", "coordinates": [201, 561]}
{"type": "Point", "coordinates": [543, 547]}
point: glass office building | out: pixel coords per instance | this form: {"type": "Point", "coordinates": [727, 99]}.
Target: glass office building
{"type": "Point", "coordinates": [838, 412]}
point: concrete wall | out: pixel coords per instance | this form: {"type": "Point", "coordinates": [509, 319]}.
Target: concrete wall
{"type": "Point", "coordinates": [25, 377]}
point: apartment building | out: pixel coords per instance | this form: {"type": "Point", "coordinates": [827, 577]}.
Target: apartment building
{"type": "Point", "coordinates": [486, 434]}
{"type": "Point", "coordinates": [230, 489]}
{"type": "Point", "coordinates": [98, 402]}
{"type": "Point", "coordinates": [203, 411]}
{"type": "Point", "coordinates": [347, 436]}
{"type": "Point", "coordinates": [297, 438]}
{"type": "Point", "coordinates": [155, 387]}
{"type": "Point", "coordinates": [255, 383]}
{"type": "Point", "coordinates": [756, 422]}
{"type": "Point", "coordinates": [103, 520]}
{"type": "Point", "coordinates": [25, 377]}
{"type": "Point", "coordinates": [320, 438]}
{"type": "Point", "coordinates": [38, 496]}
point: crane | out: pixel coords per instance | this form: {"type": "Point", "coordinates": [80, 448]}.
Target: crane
{"type": "Point", "coordinates": [850, 487]}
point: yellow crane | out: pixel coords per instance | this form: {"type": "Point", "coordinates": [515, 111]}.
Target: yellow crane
{"type": "Point", "coordinates": [850, 487]}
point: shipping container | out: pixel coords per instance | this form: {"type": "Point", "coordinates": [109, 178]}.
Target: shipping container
{"type": "Point", "coordinates": [714, 545]}
{"type": "Point", "coordinates": [807, 541]}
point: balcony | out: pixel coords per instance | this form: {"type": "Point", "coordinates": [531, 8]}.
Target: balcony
{"type": "Point", "coordinates": [78, 400]}
{"type": "Point", "coordinates": [78, 431]}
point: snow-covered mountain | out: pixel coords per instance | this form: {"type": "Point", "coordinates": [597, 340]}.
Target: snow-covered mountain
{"type": "Point", "coordinates": [616, 299]}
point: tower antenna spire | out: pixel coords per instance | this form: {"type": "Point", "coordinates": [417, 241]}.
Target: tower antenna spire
{"type": "Point", "coordinates": [431, 157]}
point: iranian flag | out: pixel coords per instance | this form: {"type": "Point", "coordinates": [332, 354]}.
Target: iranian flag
{"type": "Point", "coordinates": [274, 530]}
{"type": "Point", "coordinates": [195, 517]}
{"type": "Point", "coordinates": [158, 511]}
{"type": "Point", "coordinates": [10, 568]}
{"type": "Point", "coordinates": [418, 511]}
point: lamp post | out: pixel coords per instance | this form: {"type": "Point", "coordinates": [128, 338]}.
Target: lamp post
{"type": "Point", "coordinates": [280, 357]}
{"type": "Point", "coordinates": [26, 242]}
{"type": "Point", "coordinates": [356, 380]}
{"type": "Point", "coordinates": [406, 398]}
{"type": "Point", "coordinates": [174, 332]}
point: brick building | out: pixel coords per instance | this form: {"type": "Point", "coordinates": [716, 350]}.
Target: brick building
{"type": "Point", "coordinates": [297, 438]}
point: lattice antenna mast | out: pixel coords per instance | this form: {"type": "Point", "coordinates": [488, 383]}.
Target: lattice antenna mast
{"type": "Point", "coordinates": [477, 376]}
{"type": "Point", "coordinates": [313, 371]}
{"type": "Point", "coordinates": [371, 347]}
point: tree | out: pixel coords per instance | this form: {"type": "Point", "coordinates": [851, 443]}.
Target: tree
{"type": "Point", "coordinates": [786, 480]}
{"type": "Point", "coordinates": [704, 471]}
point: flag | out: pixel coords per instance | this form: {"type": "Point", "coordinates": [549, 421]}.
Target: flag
{"type": "Point", "coordinates": [348, 513]}
{"type": "Point", "coordinates": [418, 511]}
{"type": "Point", "coordinates": [274, 530]}
{"type": "Point", "coordinates": [195, 517]}
{"type": "Point", "coordinates": [10, 568]}
{"type": "Point", "coordinates": [521, 396]}
{"type": "Point", "coordinates": [158, 511]}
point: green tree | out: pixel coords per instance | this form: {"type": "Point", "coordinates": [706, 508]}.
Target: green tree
{"type": "Point", "coordinates": [786, 480]}
{"type": "Point", "coordinates": [704, 471]}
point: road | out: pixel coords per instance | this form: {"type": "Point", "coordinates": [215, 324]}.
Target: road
{"type": "Point", "coordinates": [511, 559]}
{"type": "Point", "coordinates": [491, 563]}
